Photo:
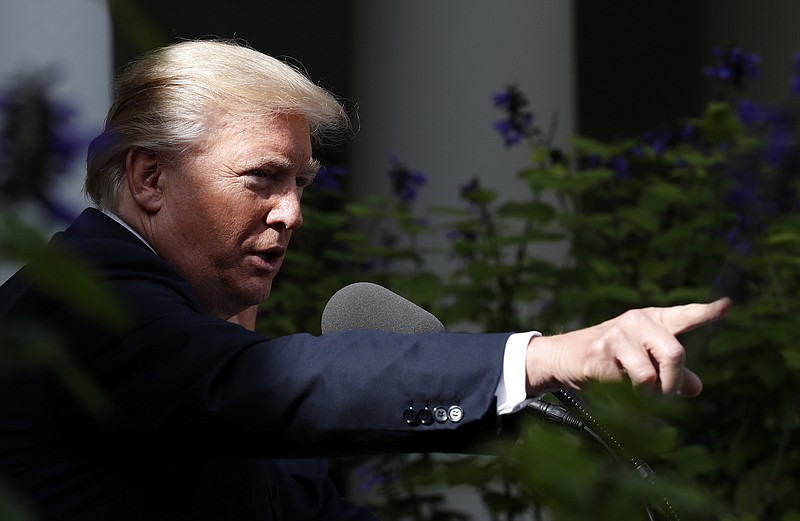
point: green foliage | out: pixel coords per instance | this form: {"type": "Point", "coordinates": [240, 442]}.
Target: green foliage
{"type": "Point", "coordinates": [708, 208]}
{"type": "Point", "coordinates": [13, 507]}
{"type": "Point", "coordinates": [32, 345]}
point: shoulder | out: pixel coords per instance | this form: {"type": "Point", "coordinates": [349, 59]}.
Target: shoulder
{"type": "Point", "coordinates": [121, 260]}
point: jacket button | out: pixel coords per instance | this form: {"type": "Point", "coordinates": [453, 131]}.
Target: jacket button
{"type": "Point", "coordinates": [409, 416]}
{"type": "Point", "coordinates": [425, 416]}
{"type": "Point", "coordinates": [440, 414]}
{"type": "Point", "coordinates": [456, 413]}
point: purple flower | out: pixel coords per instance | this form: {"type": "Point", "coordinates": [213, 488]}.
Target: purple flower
{"type": "Point", "coordinates": [686, 133]}
{"type": "Point", "coordinates": [779, 143]}
{"type": "Point", "coordinates": [795, 85]}
{"type": "Point", "coordinates": [405, 182]}
{"type": "Point", "coordinates": [754, 203]}
{"type": "Point", "coordinates": [36, 143]}
{"type": "Point", "coordinates": [518, 123]}
{"type": "Point", "coordinates": [739, 238]}
{"type": "Point", "coordinates": [329, 178]}
{"type": "Point", "coordinates": [735, 66]}
{"type": "Point", "coordinates": [659, 141]}
{"type": "Point", "coordinates": [750, 113]}
{"type": "Point", "coordinates": [744, 194]}
{"type": "Point", "coordinates": [796, 75]}
{"type": "Point", "coordinates": [620, 165]}
{"type": "Point", "coordinates": [590, 161]}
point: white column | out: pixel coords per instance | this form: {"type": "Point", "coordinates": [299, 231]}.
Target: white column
{"type": "Point", "coordinates": [424, 75]}
{"type": "Point", "coordinates": [72, 40]}
{"type": "Point", "coordinates": [425, 72]}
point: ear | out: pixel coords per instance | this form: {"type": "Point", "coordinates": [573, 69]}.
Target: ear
{"type": "Point", "coordinates": [143, 173]}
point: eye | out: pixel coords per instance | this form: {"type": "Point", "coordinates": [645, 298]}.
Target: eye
{"type": "Point", "coordinates": [258, 172]}
{"type": "Point", "coordinates": [304, 182]}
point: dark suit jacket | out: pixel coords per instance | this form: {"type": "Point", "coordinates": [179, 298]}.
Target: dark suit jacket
{"type": "Point", "coordinates": [199, 403]}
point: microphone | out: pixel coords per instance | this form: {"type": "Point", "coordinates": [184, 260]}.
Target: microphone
{"type": "Point", "coordinates": [364, 305]}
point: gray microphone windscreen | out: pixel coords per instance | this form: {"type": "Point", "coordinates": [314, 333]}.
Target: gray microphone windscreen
{"type": "Point", "coordinates": [364, 305]}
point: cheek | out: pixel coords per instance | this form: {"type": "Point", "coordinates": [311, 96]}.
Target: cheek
{"type": "Point", "coordinates": [213, 218]}
{"type": "Point", "coordinates": [221, 201]}
{"type": "Point", "coordinates": [233, 216]}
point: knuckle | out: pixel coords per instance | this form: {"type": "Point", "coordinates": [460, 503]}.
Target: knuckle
{"type": "Point", "coordinates": [613, 334]}
{"type": "Point", "coordinates": [634, 315]}
{"type": "Point", "coordinates": [601, 348]}
{"type": "Point", "coordinates": [644, 376]}
{"type": "Point", "coordinates": [673, 355]}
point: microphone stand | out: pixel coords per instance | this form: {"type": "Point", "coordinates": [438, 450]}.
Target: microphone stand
{"type": "Point", "coordinates": [576, 416]}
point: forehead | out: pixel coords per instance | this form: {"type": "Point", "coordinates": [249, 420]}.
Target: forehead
{"type": "Point", "coordinates": [282, 134]}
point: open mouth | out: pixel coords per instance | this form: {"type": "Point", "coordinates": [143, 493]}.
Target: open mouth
{"type": "Point", "coordinates": [270, 259]}
{"type": "Point", "coordinates": [270, 255]}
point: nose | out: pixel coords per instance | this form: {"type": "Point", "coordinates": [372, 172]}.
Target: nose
{"type": "Point", "coordinates": [285, 210]}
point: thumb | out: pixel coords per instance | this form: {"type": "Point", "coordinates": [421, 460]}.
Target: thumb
{"type": "Point", "coordinates": [691, 385]}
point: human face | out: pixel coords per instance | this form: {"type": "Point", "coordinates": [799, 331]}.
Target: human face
{"type": "Point", "coordinates": [229, 211]}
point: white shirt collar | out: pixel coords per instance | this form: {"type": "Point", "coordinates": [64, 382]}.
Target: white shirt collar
{"type": "Point", "coordinates": [125, 225]}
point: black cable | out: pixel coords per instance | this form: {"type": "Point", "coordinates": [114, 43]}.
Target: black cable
{"type": "Point", "coordinates": [599, 439]}
{"type": "Point", "coordinates": [581, 420]}
{"type": "Point", "coordinates": [572, 401]}
{"type": "Point", "coordinates": [552, 413]}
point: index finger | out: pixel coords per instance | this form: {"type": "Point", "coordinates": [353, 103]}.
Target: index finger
{"type": "Point", "coordinates": [680, 319]}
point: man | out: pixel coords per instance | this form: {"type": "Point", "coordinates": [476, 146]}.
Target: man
{"type": "Point", "coordinates": [197, 180]}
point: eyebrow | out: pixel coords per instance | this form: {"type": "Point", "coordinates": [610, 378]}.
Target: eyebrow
{"type": "Point", "coordinates": [309, 170]}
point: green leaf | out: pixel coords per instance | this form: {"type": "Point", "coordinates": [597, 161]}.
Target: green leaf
{"type": "Point", "coordinates": [612, 293]}
{"type": "Point", "coordinates": [734, 340]}
{"type": "Point", "coordinates": [13, 506]}
{"type": "Point", "coordinates": [481, 196]}
{"type": "Point", "coordinates": [641, 218]}
{"type": "Point", "coordinates": [693, 460]}
{"type": "Point", "coordinates": [792, 356]}
{"type": "Point", "coordinates": [586, 180]}
{"type": "Point", "coordinates": [784, 237]}
{"type": "Point", "coordinates": [61, 274]}
{"type": "Point", "coordinates": [540, 155]}
{"type": "Point", "coordinates": [360, 210]}
{"type": "Point", "coordinates": [531, 211]}
{"type": "Point", "coordinates": [791, 515]}
{"type": "Point", "coordinates": [589, 146]}
{"type": "Point", "coordinates": [660, 194]}
{"type": "Point", "coordinates": [720, 123]}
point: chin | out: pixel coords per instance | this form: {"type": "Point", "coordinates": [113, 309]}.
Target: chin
{"type": "Point", "coordinates": [258, 295]}
{"type": "Point", "coordinates": [247, 293]}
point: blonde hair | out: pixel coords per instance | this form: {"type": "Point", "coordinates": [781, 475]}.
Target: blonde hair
{"type": "Point", "coordinates": [163, 102]}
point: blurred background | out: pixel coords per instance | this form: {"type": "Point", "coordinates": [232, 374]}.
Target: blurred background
{"type": "Point", "coordinates": [418, 76]}
{"type": "Point", "coordinates": [420, 80]}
